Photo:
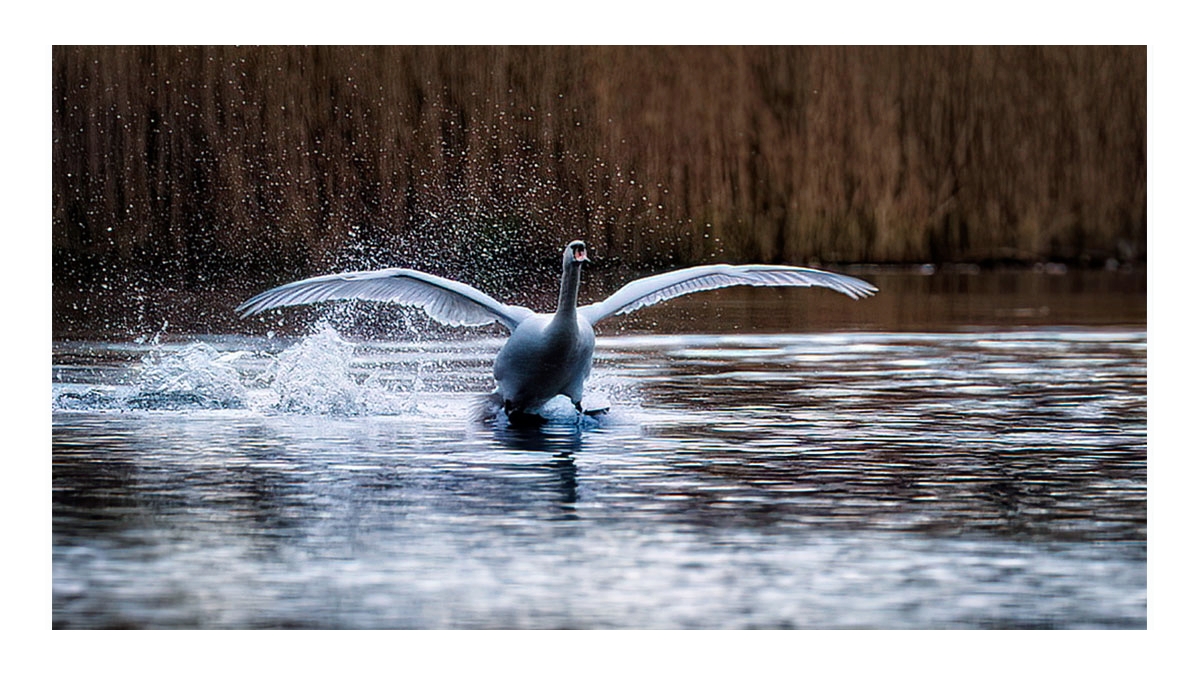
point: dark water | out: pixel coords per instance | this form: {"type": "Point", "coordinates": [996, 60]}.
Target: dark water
{"type": "Point", "coordinates": [974, 478]}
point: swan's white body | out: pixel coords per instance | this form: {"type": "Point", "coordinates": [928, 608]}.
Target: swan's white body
{"type": "Point", "coordinates": [544, 357]}
{"type": "Point", "coordinates": [547, 354]}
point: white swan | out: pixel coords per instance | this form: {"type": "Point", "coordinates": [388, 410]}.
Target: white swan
{"type": "Point", "coordinates": [547, 354]}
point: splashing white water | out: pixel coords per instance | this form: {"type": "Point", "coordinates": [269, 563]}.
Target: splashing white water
{"type": "Point", "coordinates": [313, 376]}
{"type": "Point", "coordinates": [198, 376]}
{"type": "Point", "coordinates": [322, 374]}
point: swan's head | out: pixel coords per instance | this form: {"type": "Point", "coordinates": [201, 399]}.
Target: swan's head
{"type": "Point", "coordinates": [575, 254]}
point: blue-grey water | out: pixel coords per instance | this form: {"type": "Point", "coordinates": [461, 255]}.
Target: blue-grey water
{"type": "Point", "coordinates": [969, 478]}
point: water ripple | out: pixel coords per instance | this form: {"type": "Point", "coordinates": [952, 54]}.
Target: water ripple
{"type": "Point", "coordinates": [840, 480]}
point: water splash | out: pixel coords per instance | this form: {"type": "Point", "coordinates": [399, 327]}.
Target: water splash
{"type": "Point", "coordinates": [323, 374]}
{"type": "Point", "coordinates": [71, 397]}
{"type": "Point", "coordinates": [314, 376]}
{"type": "Point", "coordinates": [558, 413]}
{"type": "Point", "coordinates": [198, 376]}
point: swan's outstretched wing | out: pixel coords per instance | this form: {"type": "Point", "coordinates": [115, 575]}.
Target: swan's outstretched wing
{"type": "Point", "coordinates": [447, 301]}
{"type": "Point", "coordinates": [650, 290]}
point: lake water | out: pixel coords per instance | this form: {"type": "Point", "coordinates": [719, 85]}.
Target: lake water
{"type": "Point", "coordinates": [988, 473]}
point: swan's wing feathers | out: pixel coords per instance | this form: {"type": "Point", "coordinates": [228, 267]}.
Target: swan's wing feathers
{"type": "Point", "coordinates": [444, 300]}
{"type": "Point", "coordinates": [650, 290]}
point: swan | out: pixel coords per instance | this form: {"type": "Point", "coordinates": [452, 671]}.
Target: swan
{"type": "Point", "coordinates": [546, 354]}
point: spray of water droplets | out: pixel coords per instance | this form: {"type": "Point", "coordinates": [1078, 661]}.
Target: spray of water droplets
{"type": "Point", "coordinates": [322, 374]}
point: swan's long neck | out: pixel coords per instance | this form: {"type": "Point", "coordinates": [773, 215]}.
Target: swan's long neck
{"type": "Point", "coordinates": [568, 293]}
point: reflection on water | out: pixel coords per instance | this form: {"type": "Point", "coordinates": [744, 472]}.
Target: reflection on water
{"type": "Point", "coordinates": [965, 479]}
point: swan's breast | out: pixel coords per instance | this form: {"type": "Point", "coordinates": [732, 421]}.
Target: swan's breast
{"type": "Point", "coordinates": [542, 357]}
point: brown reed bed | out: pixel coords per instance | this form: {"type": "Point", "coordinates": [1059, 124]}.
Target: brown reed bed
{"type": "Point", "coordinates": [198, 165]}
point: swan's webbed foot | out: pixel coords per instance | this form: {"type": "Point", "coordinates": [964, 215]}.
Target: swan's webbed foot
{"type": "Point", "coordinates": [518, 417]}
{"type": "Point", "coordinates": [525, 419]}
{"type": "Point", "coordinates": [589, 411]}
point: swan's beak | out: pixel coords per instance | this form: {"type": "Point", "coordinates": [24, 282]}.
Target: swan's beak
{"type": "Point", "coordinates": [581, 255]}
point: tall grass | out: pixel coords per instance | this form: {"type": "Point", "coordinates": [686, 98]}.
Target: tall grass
{"type": "Point", "coordinates": [195, 162]}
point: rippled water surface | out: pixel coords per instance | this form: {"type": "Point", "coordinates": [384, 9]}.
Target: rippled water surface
{"type": "Point", "coordinates": [961, 479]}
